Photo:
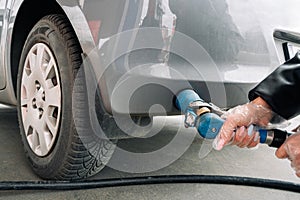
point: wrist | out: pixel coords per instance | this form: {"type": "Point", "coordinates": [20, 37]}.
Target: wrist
{"type": "Point", "coordinates": [262, 111]}
{"type": "Point", "coordinates": [261, 102]}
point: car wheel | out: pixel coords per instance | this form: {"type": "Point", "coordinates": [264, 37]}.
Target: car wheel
{"type": "Point", "coordinates": [50, 60]}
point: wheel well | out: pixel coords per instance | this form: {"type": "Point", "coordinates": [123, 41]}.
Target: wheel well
{"type": "Point", "coordinates": [26, 18]}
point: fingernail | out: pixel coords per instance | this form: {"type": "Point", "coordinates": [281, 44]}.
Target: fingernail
{"type": "Point", "coordinates": [256, 137]}
{"type": "Point", "coordinates": [218, 144]}
{"type": "Point", "coordinates": [250, 130]}
{"type": "Point", "coordinates": [242, 130]}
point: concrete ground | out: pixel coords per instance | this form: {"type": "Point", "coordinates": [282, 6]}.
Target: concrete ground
{"type": "Point", "coordinates": [259, 163]}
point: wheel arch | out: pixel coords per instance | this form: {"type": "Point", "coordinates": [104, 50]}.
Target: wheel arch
{"type": "Point", "coordinates": [27, 16]}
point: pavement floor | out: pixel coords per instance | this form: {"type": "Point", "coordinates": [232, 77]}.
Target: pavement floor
{"type": "Point", "coordinates": [232, 161]}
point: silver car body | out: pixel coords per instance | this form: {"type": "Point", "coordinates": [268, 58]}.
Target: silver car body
{"type": "Point", "coordinates": [243, 40]}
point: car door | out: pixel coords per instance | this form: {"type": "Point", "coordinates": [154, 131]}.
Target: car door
{"type": "Point", "coordinates": [3, 4]}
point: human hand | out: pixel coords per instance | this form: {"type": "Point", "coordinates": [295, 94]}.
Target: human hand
{"type": "Point", "coordinates": [236, 128]}
{"type": "Point", "coordinates": [291, 150]}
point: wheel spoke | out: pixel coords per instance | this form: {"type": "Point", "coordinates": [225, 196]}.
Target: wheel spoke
{"type": "Point", "coordinates": [52, 125]}
{"type": "Point", "coordinates": [54, 96]}
{"type": "Point", "coordinates": [27, 125]}
{"type": "Point", "coordinates": [28, 84]}
{"type": "Point", "coordinates": [33, 140]}
{"type": "Point", "coordinates": [32, 61]}
{"type": "Point", "coordinates": [24, 102]}
{"type": "Point", "coordinates": [44, 139]}
{"type": "Point", "coordinates": [39, 55]}
{"type": "Point", "coordinates": [48, 68]}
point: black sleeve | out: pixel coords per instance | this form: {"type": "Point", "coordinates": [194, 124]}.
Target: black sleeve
{"type": "Point", "coordinates": [281, 89]}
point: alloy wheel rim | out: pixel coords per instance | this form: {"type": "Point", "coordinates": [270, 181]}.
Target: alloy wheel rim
{"type": "Point", "coordinates": [40, 99]}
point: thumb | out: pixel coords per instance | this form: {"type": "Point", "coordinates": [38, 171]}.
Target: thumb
{"type": "Point", "coordinates": [281, 152]}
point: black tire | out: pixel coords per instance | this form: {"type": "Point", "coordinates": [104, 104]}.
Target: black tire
{"type": "Point", "coordinates": [68, 158]}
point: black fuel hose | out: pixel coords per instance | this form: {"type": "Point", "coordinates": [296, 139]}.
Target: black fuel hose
{"type": "Point", "coordinates": [167, 179]}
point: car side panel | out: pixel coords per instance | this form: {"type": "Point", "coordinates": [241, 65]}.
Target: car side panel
{"type": "Point", "coordinates": [7, 94]}
{"type": "Point", "coordinates": [3, 11]}
{"type": "Point", "coordinates": [236, 36]}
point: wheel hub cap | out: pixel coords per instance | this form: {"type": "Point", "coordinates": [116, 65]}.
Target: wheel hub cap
{"type": "Point", "coordinates": [40, 99]}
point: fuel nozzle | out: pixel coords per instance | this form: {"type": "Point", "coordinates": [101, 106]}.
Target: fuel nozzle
{"type": "Point", "coordinates": [205, 117]}
{"type": "Point", "coordinates": [198, 113]}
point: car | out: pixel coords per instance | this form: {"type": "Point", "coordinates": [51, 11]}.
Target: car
{"type": "Point", "coordinates": [85, 74]}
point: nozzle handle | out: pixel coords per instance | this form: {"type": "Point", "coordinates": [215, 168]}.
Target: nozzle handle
{"type": "Point", "coordinates": [209, 125]}
{"type": "Point", "coordinates": [273, 137]}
